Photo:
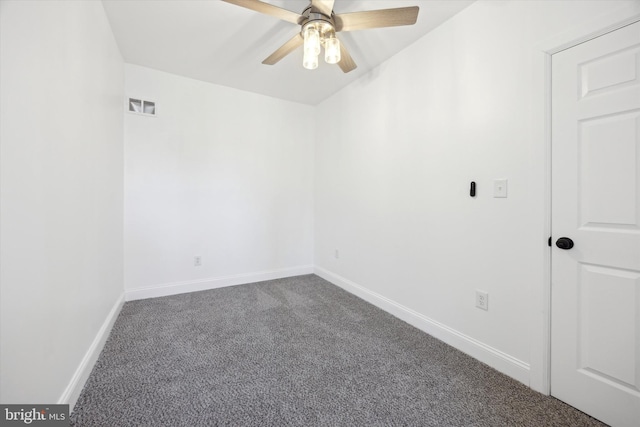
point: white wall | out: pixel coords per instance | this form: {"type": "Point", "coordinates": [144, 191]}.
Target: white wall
{"type": "Point", "coordinates": [393, 174]}
{"type": "Point", "coordinates": [61, 186]}
{"type": "Point", "coordinates": [219, 173]}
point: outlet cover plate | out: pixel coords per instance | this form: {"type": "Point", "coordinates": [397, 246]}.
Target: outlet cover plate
{"type": "Point", "coordinates": [482, 300]}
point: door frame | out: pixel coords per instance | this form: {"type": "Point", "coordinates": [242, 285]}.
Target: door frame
{"type": "Point", "coordinates": [540, 362]}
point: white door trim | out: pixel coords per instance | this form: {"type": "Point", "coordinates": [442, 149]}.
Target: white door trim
{"type": "Point", "coordinates": [540, 365]}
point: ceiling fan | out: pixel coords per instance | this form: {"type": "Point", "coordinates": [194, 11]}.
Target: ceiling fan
{"type": "Point", "coordinates": [319, 25]}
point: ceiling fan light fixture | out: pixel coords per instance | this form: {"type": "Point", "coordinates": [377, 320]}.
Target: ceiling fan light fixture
{"type": "Point", "coordinates": [316, 33]}
{"type": "Point", "coordinates": [332, 50]}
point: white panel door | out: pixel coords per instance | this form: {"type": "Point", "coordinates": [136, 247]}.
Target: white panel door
{"type": "Point", "coordinates": [595, 307]}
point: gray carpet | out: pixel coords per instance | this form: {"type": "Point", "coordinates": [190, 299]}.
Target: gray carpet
{"type": "Point", "coordinates": [294, 352]}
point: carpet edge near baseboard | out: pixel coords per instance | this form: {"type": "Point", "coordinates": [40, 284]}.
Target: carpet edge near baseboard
{"type": "Point", "coordinates": [174, 288]}
{"type": "Point", "coordinates": [498, 360]}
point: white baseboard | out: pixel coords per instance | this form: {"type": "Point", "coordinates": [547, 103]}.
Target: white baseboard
{"type": "Point", "coordinates": [72, 392]}
{"type": "Point", "coordinates": [498, 360]}
{"type": "Point", "coordinates": [165, 289]}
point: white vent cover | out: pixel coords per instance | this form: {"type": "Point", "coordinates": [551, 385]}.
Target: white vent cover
{"type": "Point", "coordinates": [140, 106]}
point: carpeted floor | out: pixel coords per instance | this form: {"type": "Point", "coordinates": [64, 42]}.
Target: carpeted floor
{"type": "Point", "coordinates": [294, 352]}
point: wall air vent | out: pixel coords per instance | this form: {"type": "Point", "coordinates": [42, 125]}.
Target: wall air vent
{"type": "Point", "coordinates": [140, 106]}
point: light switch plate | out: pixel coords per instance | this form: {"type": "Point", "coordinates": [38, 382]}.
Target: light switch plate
{"type": "Point", "coordinates": [500, 188]}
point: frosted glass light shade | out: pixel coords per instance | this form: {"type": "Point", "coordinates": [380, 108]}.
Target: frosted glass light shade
{"type": "Point", "coordinates": [311, 41]}
{"type": "Point", "coordinates": [309, 60]}
{"type": "Point", "coordinates": [332, 50]}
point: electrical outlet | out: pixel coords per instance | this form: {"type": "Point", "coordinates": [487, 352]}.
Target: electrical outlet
{"type": "Point", "coordinates": [336, 254]}
{"type": "Point", "coordinates": [482, 300]}
{"type": "Point", "coordinates": [197, 261]}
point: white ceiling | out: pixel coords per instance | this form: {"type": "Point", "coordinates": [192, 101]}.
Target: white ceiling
{"type": "Point", "coordinates": [221, 43]}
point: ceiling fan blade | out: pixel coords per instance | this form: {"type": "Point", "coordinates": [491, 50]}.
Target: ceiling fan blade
{"type": "Point", "coordinates": [285, 50]}
{"type": "Point", "coordinates": [376, 18]}
{"type": "Point", "coordinates": [346, 61]}
{"type": "Point", "coordinates": [268, 9]}
{"type": "Point", "coordinates": [323, 6]}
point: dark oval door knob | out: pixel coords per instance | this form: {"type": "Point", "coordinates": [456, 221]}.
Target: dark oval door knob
{"type": "Point", "coordinates": [564, 243]}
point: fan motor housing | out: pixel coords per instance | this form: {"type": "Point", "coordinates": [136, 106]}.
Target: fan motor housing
{"type": "Point", "coordinates": [323, 23]}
